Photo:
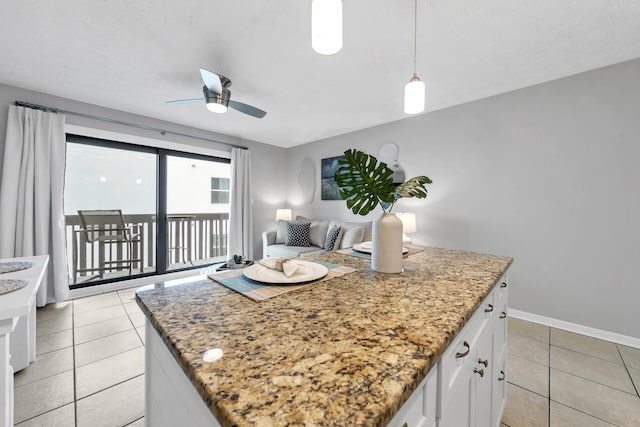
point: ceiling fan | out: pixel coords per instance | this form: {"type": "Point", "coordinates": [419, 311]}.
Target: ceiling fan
{"type": "Point", "coordinates": [217, 96]}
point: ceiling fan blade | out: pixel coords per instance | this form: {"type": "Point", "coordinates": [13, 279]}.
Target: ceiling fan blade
{"type": "Point", "coordinates": [211, 80]}
{"type": "Point", "coordinates": [185, 101]}
{"type": "Point", "coordinates": [247, 109]}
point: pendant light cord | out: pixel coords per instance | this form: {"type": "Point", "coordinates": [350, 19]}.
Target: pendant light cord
{"type": "Point", "coordinates": [415, 31]}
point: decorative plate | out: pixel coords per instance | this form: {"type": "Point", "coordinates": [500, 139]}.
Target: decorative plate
{"type": "Point", "coordinates": [367, 248]}
{"type": "Point", "coordinates": [307, 272]}
{"type": "Point", "coordinates": [8, 267]}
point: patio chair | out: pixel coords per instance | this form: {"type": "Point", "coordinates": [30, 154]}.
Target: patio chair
{"type": "Point", "coordinates": [115, 241]}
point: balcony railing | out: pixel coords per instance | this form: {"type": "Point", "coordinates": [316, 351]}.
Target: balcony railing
{"type": "Point", "coordinates": [192, 239]}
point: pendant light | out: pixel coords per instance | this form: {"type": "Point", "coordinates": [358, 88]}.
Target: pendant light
{"type": "Point", "coordinates": [326, 26]}
{"type": "Point", "coordinates": [414, 90]}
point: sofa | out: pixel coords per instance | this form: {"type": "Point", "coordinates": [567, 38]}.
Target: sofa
{"type": "Point", "coordinates": [304, 236]}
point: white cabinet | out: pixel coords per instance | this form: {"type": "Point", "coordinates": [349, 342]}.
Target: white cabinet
{"type": "Point", "coordinates": [471, 390]}
{"type": "Point", "coordinates": [420, 409]}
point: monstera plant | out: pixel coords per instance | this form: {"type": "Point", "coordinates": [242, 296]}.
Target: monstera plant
{"type": "Point", "coordinates": [364, 183]}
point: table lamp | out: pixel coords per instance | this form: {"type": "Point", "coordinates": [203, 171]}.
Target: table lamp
{"type": "Point", "coordinates": [408, 225]}
{"type": "Point", "coordinates": [283, 215]}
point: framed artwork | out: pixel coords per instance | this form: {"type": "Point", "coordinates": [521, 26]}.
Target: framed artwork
{"type": "Point", "coordinates": [328, 186]}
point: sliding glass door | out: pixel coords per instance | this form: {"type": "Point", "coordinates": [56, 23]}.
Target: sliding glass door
{"type": "Point", "coordinates": [133, 210]}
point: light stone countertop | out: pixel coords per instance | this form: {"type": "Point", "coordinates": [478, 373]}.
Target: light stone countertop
{"type": "Point", "coordinates": [348, 351]}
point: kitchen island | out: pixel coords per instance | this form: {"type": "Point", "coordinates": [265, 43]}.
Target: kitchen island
{"type": "Point", "coordinates": [347, 351]}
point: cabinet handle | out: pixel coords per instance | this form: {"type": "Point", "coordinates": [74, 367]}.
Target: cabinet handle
{"type": "Point", "coordinates": [503, 315]}
{"type": "Point", "coordinates": [405, 425]}
{"type": "Point", "coordinates": [489, 309]}
{"type": "Point", "coordinates": [503, 284]}
{"type": "Point", "coordinates": [479, 371]}
{"type": "Point", "coordinates": [501, 378]}
{"type": "Point", "coordinates": [459, 355]}
{"type": "Point", "coordinates": [483, 362]}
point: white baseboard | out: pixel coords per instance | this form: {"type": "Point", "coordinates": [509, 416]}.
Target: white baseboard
{"type": "Point", "coordinates": [578, 329]}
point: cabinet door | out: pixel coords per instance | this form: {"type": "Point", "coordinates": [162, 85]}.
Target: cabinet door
{"type": "Point", "coordinates": [498, 392]}
{"type": "Point", "coordinates": [459, 412]}
{"type": "Point", "coordinates": [483, 374]}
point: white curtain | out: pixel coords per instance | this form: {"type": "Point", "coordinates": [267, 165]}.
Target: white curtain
{"type": "Point", "coordinates": [31, 195]}
{"type": "Point", "coordinates": [240, 212]}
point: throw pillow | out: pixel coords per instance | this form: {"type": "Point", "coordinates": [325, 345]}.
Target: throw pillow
{"type": "Point", "coordinates": [332, 238]}
{"type": "Point", "coordinates": [318, 233]}
{"type": "Point", "coordinates": [298, 234]}
{"type": "Point", "coordinates": [351, 236]}
{"type": "Point", "coordinates": [281, 232]}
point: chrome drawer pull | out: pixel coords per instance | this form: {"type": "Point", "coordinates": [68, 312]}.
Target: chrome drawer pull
{"type": "Point", "coordinates": [501, 378]}
{"type": "Point", "coordinates": [503, 284]}
{"type": "Point", "coordinates": [479, 371]}
{"type": "Point", "coordinates": [466, 344]}
{"type": "Point", "coordinates": [490, 309]}
{"type": "Point", "coordinates": [503, 315]}
{"type": "Point", "coordinates": [483, 362]}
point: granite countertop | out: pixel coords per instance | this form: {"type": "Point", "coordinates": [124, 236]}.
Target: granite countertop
{"type": "Point", "coordinates": [348, 351]}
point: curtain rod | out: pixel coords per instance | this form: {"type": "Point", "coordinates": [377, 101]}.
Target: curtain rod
{"type": "Point", "coordinates": [119, 122]}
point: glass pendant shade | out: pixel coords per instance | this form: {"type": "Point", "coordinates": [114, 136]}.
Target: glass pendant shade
{"type": "Point", "coordinates": [326, 26]}
{"type": "Point", "coordinates": [414, 96]}
{"type": "Point", "coordinates": [214, 107]}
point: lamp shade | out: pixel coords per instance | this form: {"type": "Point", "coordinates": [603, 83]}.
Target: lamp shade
{"type": "Point", "coordinates": [408, 222]}
{"type": "Point", "coordinates": [326, 26]}
{"type": "Point", "coordinates": [414, 95]}
{"type": "Point", "coordinates": [283, 215]}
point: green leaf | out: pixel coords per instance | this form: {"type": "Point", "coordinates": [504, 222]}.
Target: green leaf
{"type": "Point", "coordinates": [363, 182]}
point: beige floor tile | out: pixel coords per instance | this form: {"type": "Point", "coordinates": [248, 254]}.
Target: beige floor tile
{"type": "Point", "coordinates": [137, 319]}
{"type": "Point", "coordinates": [525, 408]}
{"type": "Point", "coordinates": [584, 344]}
{"type": "Point", "coordinates": [42, 396]}
{"type": "Point", "coordinates": [528, 375]}
{"type": "Point", "coordinates": [563, 416]}
{"type": "Point", "coordinates": [102, 348]}
{"type": "Point", "coordinates": [591, 368]}
{"type": "Point", "coordinates": [98, 315]}
{"type": "Point", "coordinates": [530, 349]}
{"type": "Point", "coordinates": [630, 355]}
{"type": "Point", "coordinates": [98, 410]}
{"type": "Point", "coordinates": [64, 416]}
{"type": "Point", "coordinates": [45, 365]}
{"type": "Point", "coordinates": [635, 377]}
{"type": "Point", "coordinates": [108, 372]}
{"type": "Point", "coordinates": [600, 401]}
{"type": "Point", "coordinates": [526, 329]}
{"type": "Point", "coordinates": [137, 423]}
{"type": "Point", "coordinates": [54, 310]}
{"type": "Point", "coordinates": [131, 307]}
{"type": "Point", "coordinates": [82, 305]}
{"type": "Point", "coordinates": [140, 332]}
{"type": "Point", "coordinates": [127, 295]}
{"type": "Point", "coordinates": [54, 341]}
{"type": "Point", "coordinates": [53, 324]}
{"type": "Point", "coordinates": [102, 329]}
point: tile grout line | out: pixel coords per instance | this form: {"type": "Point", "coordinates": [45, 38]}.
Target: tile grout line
{"type": "Point", "coordinates": [626, 368]}
{"type": "Point", "coordinates": [587, 414]}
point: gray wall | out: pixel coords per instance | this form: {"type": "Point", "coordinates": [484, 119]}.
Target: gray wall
{"type": "Point", "coordinates": [548, 175]}
{"type": "Point", "coordinates": [268, 161]}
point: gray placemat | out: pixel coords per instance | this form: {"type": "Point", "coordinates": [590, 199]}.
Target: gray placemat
{"type": "Point", "coordinates": [10, 285]}
{"type": "Point", "coordinates": [8, 267]}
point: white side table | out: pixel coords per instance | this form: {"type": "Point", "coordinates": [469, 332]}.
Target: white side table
{"type": "Point", "coordinates": [18, 329]}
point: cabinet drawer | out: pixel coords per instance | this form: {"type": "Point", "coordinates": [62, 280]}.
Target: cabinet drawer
{"type": "Point", "coordinates": [420, 409]}
{"type": "Point", "coordinates": [462, 353]}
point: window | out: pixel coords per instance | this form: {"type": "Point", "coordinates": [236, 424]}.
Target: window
{"type": "Point", "coordinates": [164, 198]}
{"type": "Point", "coordinates": [219, 190]}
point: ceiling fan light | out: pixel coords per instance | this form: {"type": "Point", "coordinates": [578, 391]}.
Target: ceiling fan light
{"type": "Point", "coordinates": [215, 107]}
{"type": "Point", "coordinates": [326, 26]}
{"type": "Point", "coordinates": [414, 95]}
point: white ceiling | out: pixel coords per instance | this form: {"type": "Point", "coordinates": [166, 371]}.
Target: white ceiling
{"type": "Point", "coordinates": [135, 55]}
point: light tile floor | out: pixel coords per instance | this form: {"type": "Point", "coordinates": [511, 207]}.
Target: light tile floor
{"type": "Point", "coordinates": [557, 378]}
{"type": "Point", "coordinates": [89, 371]}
